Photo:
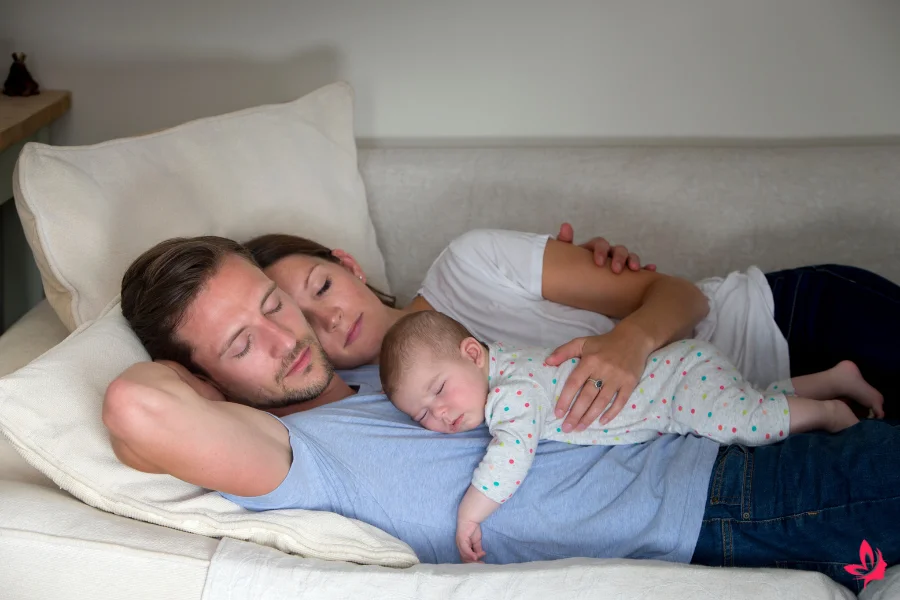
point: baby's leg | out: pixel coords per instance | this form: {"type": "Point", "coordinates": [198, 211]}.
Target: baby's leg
{"type": "Point", "coordinates": [714, 401]}
{"type": "Point", "coordinates": [841, 381]}
{"type": "Point", "coordinates": [811, 415]}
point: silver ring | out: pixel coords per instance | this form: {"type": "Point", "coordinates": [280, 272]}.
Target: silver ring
{"type": "Point", "coordinates": [598, 383]}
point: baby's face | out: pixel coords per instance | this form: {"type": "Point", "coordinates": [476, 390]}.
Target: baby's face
{"type": "Point", "coordinates": [447, 396]}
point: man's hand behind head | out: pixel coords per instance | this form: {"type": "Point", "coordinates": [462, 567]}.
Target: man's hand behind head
{"type": "Point", "coordinates": [163, 419]}
{"type": "Point", "coordinates": [200, 385]}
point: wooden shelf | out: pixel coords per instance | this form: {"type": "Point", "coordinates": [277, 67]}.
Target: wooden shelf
{"type": "Point", "coordinates": [20, 118]}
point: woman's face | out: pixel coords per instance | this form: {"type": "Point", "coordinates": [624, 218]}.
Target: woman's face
{"type": "Point", "coordinates": [345, 315]}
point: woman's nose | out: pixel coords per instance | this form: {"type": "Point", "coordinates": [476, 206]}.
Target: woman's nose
{"type": "Point", "coordinates": [331, 318]}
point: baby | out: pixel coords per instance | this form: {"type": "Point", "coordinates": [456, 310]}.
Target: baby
{"type": "Point", "coordinates": [436, 372]}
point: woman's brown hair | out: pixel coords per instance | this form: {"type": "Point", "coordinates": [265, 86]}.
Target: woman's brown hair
{"type": "Point", "coordinates": [270, 248]}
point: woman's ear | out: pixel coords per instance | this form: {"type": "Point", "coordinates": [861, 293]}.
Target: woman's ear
{"type": "Point", "coordinates": [349, 263]}
{"type": "Point", "coordinates": [471, 349]}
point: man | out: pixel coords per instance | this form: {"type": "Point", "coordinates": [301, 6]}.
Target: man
{"type": "Point", "coordinates": [201, 302]}
{"type": "Point", "coordinates": [196, 288]}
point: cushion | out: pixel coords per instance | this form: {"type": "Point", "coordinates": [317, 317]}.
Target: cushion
{"type": "Point", "coordinates": [50, 412]}
{"type": "Point", "coordinates": [89, 211]}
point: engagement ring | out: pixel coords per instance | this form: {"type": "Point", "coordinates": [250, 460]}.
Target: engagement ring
{"type": "Point", "coordinates": [598, 383]}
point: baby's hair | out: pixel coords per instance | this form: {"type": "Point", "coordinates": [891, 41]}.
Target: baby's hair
{"type": "Point", "coordinates": [426, 332]}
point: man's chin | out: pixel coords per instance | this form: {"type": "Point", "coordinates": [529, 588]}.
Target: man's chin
{"type": "Point", "coordinates": [298, 395]}
{"type": "Point", "coordinates": [290, 396]}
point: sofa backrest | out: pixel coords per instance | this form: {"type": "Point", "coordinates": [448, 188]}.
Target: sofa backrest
{"type": "Point", "coordinates": [695, 211]}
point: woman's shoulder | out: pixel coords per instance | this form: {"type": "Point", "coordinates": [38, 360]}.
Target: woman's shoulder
{"type": "Point", "coordinates": [486, 259]}
{"type": "Point", "coordinates": [492, 254]}
{"type": "Point", "coordinates": [492, 245]}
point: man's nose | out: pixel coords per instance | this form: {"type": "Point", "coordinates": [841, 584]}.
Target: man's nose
{"type": "Point", "coordinates": [281, 341]}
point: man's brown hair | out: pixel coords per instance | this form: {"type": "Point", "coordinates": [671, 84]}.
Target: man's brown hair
{"type": "Point", "coordinates": [160, 285]}
{"type": "Point", "coordinates": [426, 333]}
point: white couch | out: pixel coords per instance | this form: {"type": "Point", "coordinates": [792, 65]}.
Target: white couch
{"type": "Point", "coordinates": [694, 211]}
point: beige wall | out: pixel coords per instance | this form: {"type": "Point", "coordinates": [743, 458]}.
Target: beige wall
{"type": "Point", "coordinates": [496, 69]}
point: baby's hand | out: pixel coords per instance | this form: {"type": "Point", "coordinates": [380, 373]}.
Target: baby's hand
{"type": "Point", "coordinates": [468, 540]}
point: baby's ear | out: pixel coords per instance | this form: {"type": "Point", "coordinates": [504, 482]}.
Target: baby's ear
{"type": "Point", "coordinates": [471, 349]}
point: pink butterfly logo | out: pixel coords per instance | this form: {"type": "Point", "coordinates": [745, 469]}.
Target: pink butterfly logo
{"type": "Point", "coordinates": [871, 565]}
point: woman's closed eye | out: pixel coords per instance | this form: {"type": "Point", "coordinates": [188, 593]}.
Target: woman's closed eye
{"type": "Point", "coordinates": [325, 287]}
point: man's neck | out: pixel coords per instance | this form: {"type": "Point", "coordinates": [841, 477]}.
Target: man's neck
{"type": "Point", "coordinates": [336, 390]}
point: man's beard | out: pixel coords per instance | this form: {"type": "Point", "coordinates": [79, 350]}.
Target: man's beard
{"type": "Point", "coordinates": [292, 396]}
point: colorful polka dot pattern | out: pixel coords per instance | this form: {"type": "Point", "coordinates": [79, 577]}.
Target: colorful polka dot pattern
{"type": "Point", "coordinates": [711, 401]}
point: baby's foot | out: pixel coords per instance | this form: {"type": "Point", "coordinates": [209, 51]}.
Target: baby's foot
{"type": "Point", "coordinates": [838, 416]}
{"type": "Point", "coordinates": [851, 385]}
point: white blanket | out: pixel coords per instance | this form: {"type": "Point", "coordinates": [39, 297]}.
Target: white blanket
{"type": "Point", "coordinates": [246, 571]}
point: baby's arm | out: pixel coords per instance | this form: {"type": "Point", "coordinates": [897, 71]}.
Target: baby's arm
{"type": "Point", "coordinates": [516, 422]}
{"type": "Point", "coordinates": [515, 417]}
{"type": "Point", "coordinates": [473, 510]}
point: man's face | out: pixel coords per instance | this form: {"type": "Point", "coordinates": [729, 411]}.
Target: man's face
{"type": "Point", "coordinates": [252, 339]}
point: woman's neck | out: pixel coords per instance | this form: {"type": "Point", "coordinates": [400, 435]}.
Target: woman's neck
{"type": "Point", "coordinates": [418, 303]}
{"type": "Point", "coordinates": [395, 314]}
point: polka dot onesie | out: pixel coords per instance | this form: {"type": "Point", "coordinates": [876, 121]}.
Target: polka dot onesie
{"type": "Point", "coordinates": [687, 387]}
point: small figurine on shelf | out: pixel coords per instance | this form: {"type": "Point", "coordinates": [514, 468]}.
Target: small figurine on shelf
{"type": "Point", "coordinates": [20, 82]}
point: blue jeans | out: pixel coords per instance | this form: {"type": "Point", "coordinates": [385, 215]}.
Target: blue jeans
{"type": "Point", "coordinates": [829, 313]}
{"type": "Point", "coordinates": [805, 503]}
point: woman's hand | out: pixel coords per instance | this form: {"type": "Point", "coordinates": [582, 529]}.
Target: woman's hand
{"type": "Point", "coordinates": [602, 250]}
{"type": "Point", "coordinates": [617, 359]}
{"type": "Point", "coordinates": [468, 541]}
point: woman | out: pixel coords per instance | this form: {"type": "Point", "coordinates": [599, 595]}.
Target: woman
{"type": "Point", "coordinates": [546, 292]}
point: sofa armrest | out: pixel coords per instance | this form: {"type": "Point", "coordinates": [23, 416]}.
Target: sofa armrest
{"type": "Point", "coordinates": [55, 546]}
{"type": "Point", "coordinates": [29, 337]}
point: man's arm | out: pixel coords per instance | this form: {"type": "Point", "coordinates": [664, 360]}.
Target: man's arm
{"type": "Point", "coordinates": [159, 423]}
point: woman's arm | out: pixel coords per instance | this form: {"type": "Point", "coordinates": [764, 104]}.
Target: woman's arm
{"type": "Point", "coordinates": [654, 309]}
{"type": "Point", "coordinates": [619, 257]}
{"type": "Point", "coordinates": [161, 422]}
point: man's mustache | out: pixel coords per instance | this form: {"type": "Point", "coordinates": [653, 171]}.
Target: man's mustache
{"type": "Point", "coordinates": [290, 358]}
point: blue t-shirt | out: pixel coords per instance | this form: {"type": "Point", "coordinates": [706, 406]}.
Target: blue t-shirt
{"type": "Point", "coordinates": [364, 459]}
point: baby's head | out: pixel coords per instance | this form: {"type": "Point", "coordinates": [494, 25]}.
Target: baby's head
{"type": "Point", "coordinates": [435, 371]}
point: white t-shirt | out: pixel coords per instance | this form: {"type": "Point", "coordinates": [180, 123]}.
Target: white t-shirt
{"type": "Point", "coordinates": [491, 281]}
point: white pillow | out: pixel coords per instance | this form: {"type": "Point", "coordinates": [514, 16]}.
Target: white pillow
{"type": "Point", "coordinates": [290, 168]}
{"type": "Point", "coordinates": [50, 411]}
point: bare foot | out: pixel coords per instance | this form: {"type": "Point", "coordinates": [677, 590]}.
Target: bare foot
{"type": "Point", "coordinates": [838, 416]}
{"type": "Point", "coordinates": [849, 383]}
